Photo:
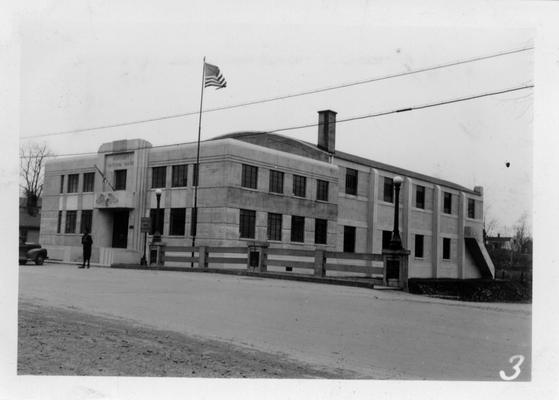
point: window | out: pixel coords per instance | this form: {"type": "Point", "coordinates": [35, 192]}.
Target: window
{"type": "Point", "coordinates": [446, 249]}
{"type": "Point", "coordinates": [386, 238]}
{"type": "Point", "coordinates": [159, 221]}
{"type": "Point", "coordinates": [250, 177]}
{"type": "Point", "coordinates": [195, 177]}
{"type": "Point", "coordinates": [120, 179]}
{"type": "Point", "coordinates": [388, 195]}
{"type": "Point", "coordinates": [297, 229]}
{"type": "Point", "coordinates": [321, 190]}
{"type": "Point", "coordinates": [87, 217]}
{"type": "Point", "coordinates": [177, 222]}
{"type": "Point", "coordinates": [61, 183]}
{"type": "Point", "coordinates": [276, 182]}
{"type": "Point", "coordinates": [299, 185]}
{"type": "Point", "coordinates": [247, 224]}
{"type": "Point", "coordinates": [420, 197]}
{"type": "Point", "coordinates": [351, 181]}
{"type": "Point", "coordinates": [179, 175]}
{"type": "Point", "coordinates": [88, 181]}
{"type": "Point", "coordinates": [349, 239]}
{"type": "Point", "coordinates": [419, 246]}
{"type": "Point", "coordinates": [471, 208]}
{"type": "Point", "coordinates": [70, 222]}
{"type": "Point", "coordinates": [158, 177]}
{"type": "Point", "coordinates": [447, 203]}
{"type": "Point", "coordinates": [320, 231]}
{"type": "Point", "coordinates": [73, 183]}
{"type": "Point", "coordinates": [59, 225]}
{"type": "Point", "coordinates": [274, 226]}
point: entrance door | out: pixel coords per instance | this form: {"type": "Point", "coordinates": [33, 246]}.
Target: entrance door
{"type": "Point", "coordinates": [120, 229]}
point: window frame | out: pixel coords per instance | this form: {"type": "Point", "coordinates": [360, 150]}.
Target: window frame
{"type": "Point", "coordinates": [121, 176]}
{"type": "Point", "coordinates": [472, 208]}
{"type": "Point", "coordinates": [59, 222]}
{"type": "Point", "coordinates": [158, 177]}
{"type": "Point", "coordinates": [386, 238]}
{"type": "Point", "coordinates": [388, 190]}
{"type": "Point", "coordinates": [447, 208]}
{"type": "Point", "coordinates": [274, 228]}
{"type": "Point", "coordinates": [351, 181]}
{"type": "Point", "coordinates": [419, 246]}
{"type": "Point", "coordinates": [420, 189]}
{"type": "Point", "coordinates": [249, 176]}
{"type": "Point", "coordinates": [322, 188]}
{"type": "Point", "coordinates": [152, 214]}
{"type": "Point", "coordinates": [322, 232]}
{"type": "Point", "coordinates": [177, 228]}
{"type": "Point", "coordinates": [70, 223]}
{"type": "Point", "coordinates": [179, 175]}
{"type": "Point", "coordinates": [276, 181]}
{"type": "Point", "coordinates": [89, 213]}
{"type": "Point", "coordinates": [73, 183]}
{"type": "Point", "coordinates": [247, 224]}
{"type": "Point", "coordinates": [297, 229]}
{"type": "Point", "coordinates": [299, 186]}
{"type": "Point", "coordinates": [350, 239]}
{"type": "Point", "coordinates": [88, 182]}
{"type": "Point", "coordinates": [447, 249]}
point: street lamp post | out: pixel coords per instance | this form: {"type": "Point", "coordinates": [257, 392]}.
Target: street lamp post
{"type": "Point", "coordinates": [396, 241]}
{"type": "Point", "coordinates": [157, 234]}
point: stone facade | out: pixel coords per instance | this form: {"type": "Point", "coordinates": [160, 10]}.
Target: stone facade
{"type": "Point", "coordinates": [356, 208]}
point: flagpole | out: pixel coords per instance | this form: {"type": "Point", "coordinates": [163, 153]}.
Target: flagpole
{"type": "Point", "coordinates": [196, 172]}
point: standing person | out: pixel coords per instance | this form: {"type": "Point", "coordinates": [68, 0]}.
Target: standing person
{"type": "Point", "coordinates": [87, 241]}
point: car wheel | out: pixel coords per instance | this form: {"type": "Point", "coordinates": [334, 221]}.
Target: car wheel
{"type": "Point", "coordinates": [39, 260]}
{"type": "Point", "coordinates": [22, 262]}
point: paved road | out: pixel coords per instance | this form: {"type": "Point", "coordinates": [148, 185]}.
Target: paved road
{"type": "Point", "coordinates": [376, 333]}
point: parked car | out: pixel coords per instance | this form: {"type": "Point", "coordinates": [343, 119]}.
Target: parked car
{"type": "Point", "coordinates": [32, 252]}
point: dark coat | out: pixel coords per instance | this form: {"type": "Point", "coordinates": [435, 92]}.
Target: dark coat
{"type": "Point", "coordinates": [87, 241]}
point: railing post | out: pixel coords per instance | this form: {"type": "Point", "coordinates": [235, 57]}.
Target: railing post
{"type": "Point", "coordinates": [395, 268]}
{"type": "Point", "coordinates": [319, 263]}
{"type": "Point", "coordinates": [203, 257]}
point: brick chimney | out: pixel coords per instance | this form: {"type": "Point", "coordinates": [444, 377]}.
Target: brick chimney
{"type": "Point", "coordinates": [327, 130]}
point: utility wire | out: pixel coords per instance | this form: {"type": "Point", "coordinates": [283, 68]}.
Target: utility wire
{"type": "Point", "coordinates": [284, 97]}
{"type": "Point", "coordinates": [400, 110]}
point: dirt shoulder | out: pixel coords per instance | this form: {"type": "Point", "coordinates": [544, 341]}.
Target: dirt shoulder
{"type": "Point", "coordinates": [54, 341]}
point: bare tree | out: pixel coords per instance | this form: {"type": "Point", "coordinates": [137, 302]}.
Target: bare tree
{"type": "Point", "coordinates": [489, 223]}
{"type": "Point", "coordinates": [32, 159]}
{"type": "Point", "coordinates": [521, 238]}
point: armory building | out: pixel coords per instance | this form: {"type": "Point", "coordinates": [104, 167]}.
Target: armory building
{"type": "Point", "coordinates": [264, 187]}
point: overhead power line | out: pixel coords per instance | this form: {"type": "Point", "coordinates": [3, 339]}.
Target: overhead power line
{"type": "Point", "coordinates": [366, 116]}
{"type": "Point", "coordinates": [284, 97]}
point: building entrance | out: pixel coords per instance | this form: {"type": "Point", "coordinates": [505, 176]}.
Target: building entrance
{"type": "Point", "coordinates": [120, 229]}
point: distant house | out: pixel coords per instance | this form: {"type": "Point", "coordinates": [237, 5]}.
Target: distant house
{"type": "Point", "coordinates": [498, 242]}
{"type": "Point", "coordinates": [29, 220]}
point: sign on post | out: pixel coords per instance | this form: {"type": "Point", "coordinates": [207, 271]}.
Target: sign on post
{"type": "Point", "coordinates": [145, 224]}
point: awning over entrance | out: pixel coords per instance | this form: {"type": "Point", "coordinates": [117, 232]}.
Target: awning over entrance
{"type": "Point", "coordinates": [115, 199]}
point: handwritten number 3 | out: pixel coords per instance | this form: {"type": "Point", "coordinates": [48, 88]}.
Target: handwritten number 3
{"type": "Point", "coordinates": [516, 367]}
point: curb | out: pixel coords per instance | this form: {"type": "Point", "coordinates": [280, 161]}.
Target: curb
{"type": "Point", "coordinates": [369, 283]}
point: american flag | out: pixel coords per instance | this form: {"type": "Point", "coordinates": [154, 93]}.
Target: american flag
{"type": "Point", "coordinates": [213, 76]}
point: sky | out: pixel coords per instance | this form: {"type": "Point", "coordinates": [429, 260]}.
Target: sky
{"type": "Point", "coordinates": [89, 64]}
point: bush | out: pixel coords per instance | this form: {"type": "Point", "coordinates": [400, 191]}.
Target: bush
{"type": "Point", "coordinates": [479, 290]}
